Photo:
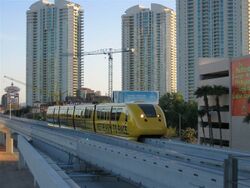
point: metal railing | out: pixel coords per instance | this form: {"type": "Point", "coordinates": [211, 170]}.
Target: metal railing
{"type": "Point", "coordinates": [235, 177]}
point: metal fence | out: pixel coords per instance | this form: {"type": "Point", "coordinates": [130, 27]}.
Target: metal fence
{"type": "Point", "coordinates": [237, 171]}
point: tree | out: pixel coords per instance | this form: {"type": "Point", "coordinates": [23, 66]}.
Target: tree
{"type": "Point", "coordinates": [201, 114]}
{"type": "Point", "coordinates": [176, 109]}
{"type": "Point", "coordinates": [204, 91]}
{"type": "Point", "coordinates": [171, 105]}
{"type": "Point", "coordinates": [190, 115]}
{"type": "Point", "coordinates": [218, 91]}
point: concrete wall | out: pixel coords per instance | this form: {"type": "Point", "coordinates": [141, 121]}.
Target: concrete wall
{"type": "Point", "coordinates": [240, 134]}
{"type": "Point", "coordinates": [209, 66]}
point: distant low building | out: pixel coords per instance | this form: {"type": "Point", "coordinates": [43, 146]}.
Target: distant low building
{"type": "Point", "coordinates": [4, 101]}
{"type": "Point", "coordinates": [1, 109]}
{"type": "Point", "coordinates": [36, 107]}
{"type": "Point", "coordinates": [83, 92]}
{"type": "Point", "coordinates": [234, 106]}
{"type": "Point", "coordinates": [98, 93]}
{"type": "Point", "coordinates": [101, 99]}
{"type": "Point", "coordinates": [87, 95]}
{"type": "Point", "coordinates": [11, 99]}
{"type": "Point", "coordinates": [39, 108]}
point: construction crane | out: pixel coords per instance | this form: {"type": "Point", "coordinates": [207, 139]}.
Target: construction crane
{"type": "Point", "coordinates": [14, 80]}
{"type": "Point", "coordinates": [57, 95]}
{"type": "Point", "coordinates": [109, 52]}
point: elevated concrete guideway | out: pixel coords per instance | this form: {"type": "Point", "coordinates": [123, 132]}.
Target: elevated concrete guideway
{"type": "Point", "coordinates": [143, 168]}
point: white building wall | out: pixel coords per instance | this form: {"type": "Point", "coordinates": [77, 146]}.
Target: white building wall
{"type": "Point", "coordinates": [238, 133]}
{"type": "Point", "coordinates": [212, 66]}
{"type": "Point", "coordinates": [55, 66]}
{"type": "Point", "coordinates": [218, 28]}
{"type": "Point", "coordinates": [153, 65]}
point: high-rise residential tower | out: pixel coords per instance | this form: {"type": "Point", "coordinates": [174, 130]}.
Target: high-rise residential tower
{"type": "Point", "coordinates": [152, 35]}
{"type": "Point", "coordinates": [54, 65]}
{"type": "Point", "coordinates": [205, 28]}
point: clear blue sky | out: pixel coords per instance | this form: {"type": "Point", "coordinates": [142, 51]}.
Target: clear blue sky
{"type": "Point", "coordinates": [102, 28]}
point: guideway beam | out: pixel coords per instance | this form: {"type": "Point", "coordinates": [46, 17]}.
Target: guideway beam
{"type": "Point", "coordinates": [44, 174]}
{"type": "Point", "coordinates": [142, 168]}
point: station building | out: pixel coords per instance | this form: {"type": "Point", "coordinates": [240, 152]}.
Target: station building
{"type": "Point", "coordinates": [233, 73]}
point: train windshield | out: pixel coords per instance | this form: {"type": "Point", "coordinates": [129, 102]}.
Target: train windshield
{"type": "Point", "coordinates": [148, 110]}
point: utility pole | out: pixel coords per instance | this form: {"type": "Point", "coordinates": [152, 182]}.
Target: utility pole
{"type": "Point", "coordinates": [10, 108]}
{"type": "Point", "coordinates": [179, 124]}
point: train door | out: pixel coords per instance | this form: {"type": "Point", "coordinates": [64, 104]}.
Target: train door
{"type": "Point", "coordinates": [102, 119]}
{"type": "Point", "coordinates": [88, 118]}
{"type": "Point", "coordinates": [73, 117]}
{"type": "Point", "coordinates": [113, 123]}
{"type": "Point", "coordinates": [58, 117]}
{"type": "Point", "coordinates": [78, 117]}
{"type": "Point", "coordinates": [93, 117]}
{"type": "Point", "coordinates": [53, 115]}
{"type": "Point", "coordinates": [121, 119]}
{"type": "Point", "coordinates": [83, 119]}
{"type": "Point", "coordinates": [118, 124]}
{"type": "Point", "coordinates": [70, 116]}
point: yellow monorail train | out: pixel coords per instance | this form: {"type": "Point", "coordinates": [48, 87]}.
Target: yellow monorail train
{"type": "Point", "coordinates": [127, 120]}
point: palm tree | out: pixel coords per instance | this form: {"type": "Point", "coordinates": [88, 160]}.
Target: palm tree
{"type": "Point", "coordinates": [204, 91]}
{"type": "Point", "coordinates": [202, 113]}
{"type": "Point", "coordinates": [218, 91]}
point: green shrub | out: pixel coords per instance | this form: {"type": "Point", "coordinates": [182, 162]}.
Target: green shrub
{"type": "Point", "coordinates": [188, 135]}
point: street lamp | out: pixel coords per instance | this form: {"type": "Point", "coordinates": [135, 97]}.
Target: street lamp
{"type": "Point", "coordinates": [179, 124]}
{"type": "Point", "coordinates": [10, 107]}
{"type": "Point", "coordinates": [12, 92]}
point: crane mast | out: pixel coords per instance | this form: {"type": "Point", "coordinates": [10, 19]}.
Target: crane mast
{"type": "Point", "coordinates": [109, 52]}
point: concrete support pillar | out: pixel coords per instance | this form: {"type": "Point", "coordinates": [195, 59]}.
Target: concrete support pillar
{"type": "Point", "coordinates": [9, 143]}
{"type": "Point", "coordinates": [21, 162]}
{"type": "Point", "coordinates": [2, 138]}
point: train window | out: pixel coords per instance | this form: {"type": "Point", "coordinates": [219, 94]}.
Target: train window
{"type": "Point", "coordinates": [103, 114]}
{"type": "Point", "coordinates": [90, 112]}
{"type": "Point", "coordinates": [118, 113]}
{"type": "Point", "coordinates": [86, 113]}
{"type": "Point", "coordinates": [98, 114]}
{"type": "Point", "coordinates": [78, 113]}
{"type": "Point", "coordinates": [107, 115]}
{"type": "Point", "coordinates": [148, 110]}
{"type": "Point", "coordinates": [70, 113]}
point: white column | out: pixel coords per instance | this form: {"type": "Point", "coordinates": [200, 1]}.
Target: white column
{"type": "Point", "coordinates": [9, 143]}
{"type": "Point", "coordinates": [2, 140]}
